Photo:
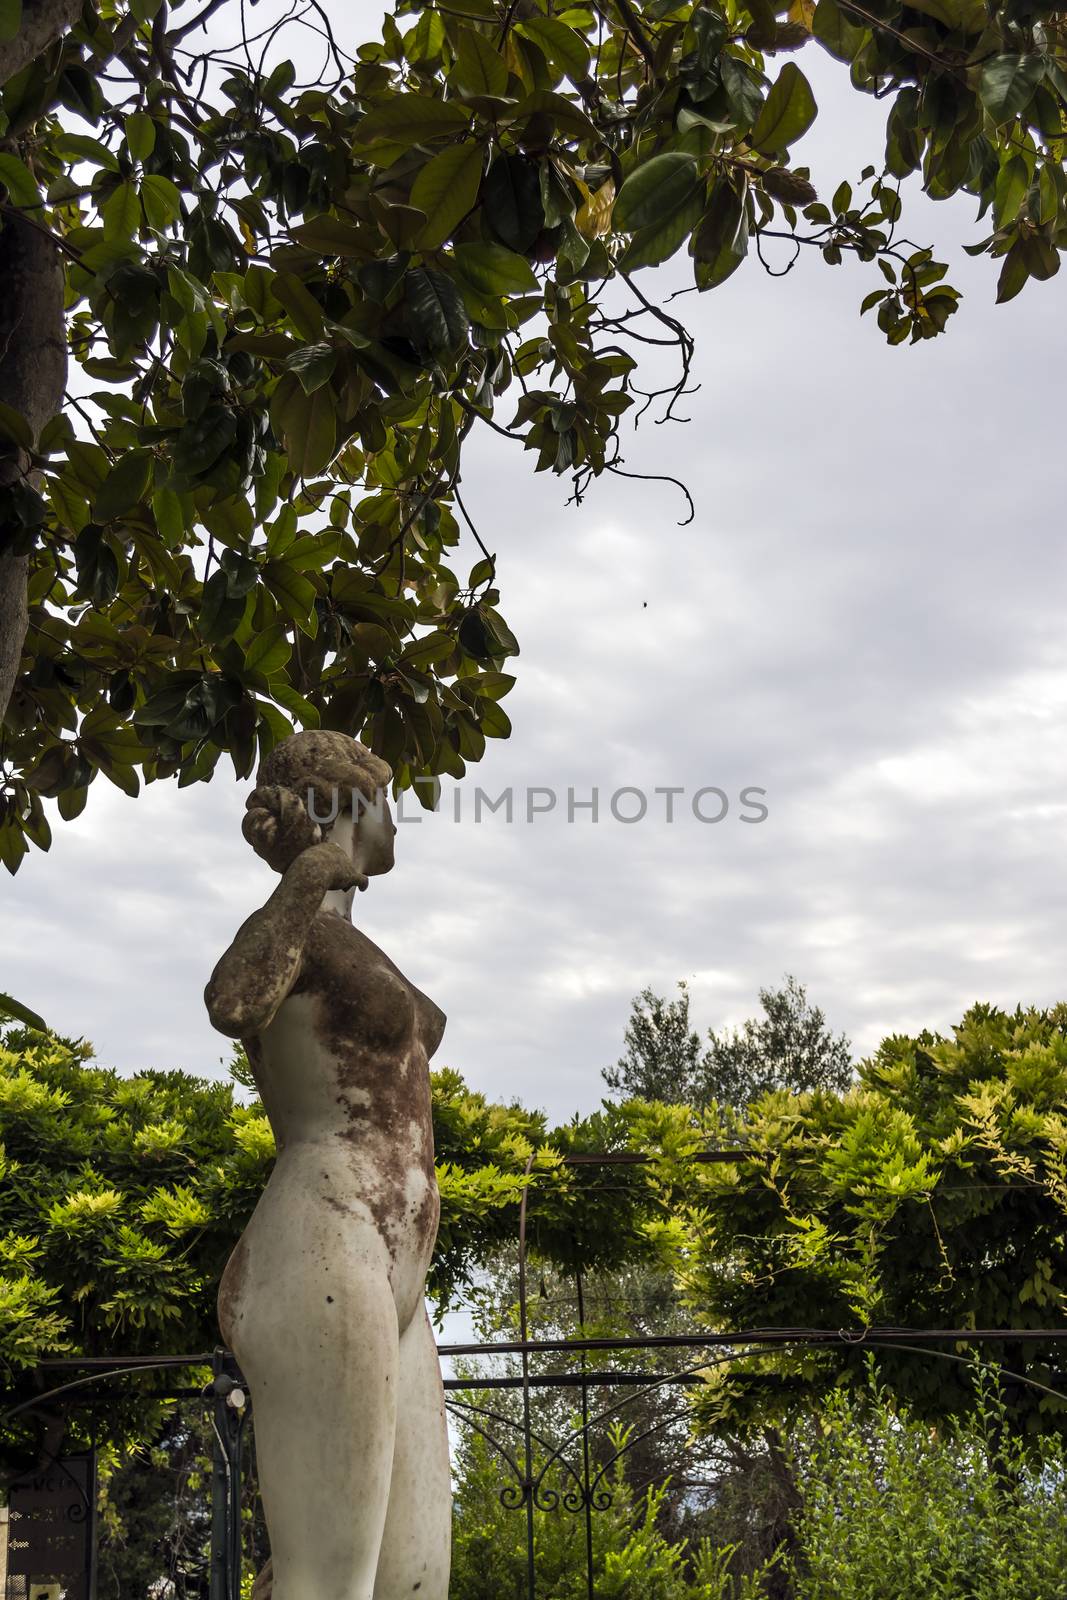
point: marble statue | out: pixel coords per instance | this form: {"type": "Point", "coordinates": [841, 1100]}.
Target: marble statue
{"type": "Point", "coordinates": [322, 1299]}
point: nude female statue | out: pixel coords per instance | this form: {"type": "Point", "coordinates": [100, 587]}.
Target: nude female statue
{"type": "Point", "coordinates": [322, 1300]}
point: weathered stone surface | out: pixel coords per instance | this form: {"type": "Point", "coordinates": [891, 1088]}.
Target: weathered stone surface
{"type": "Point", "coordinates": [322, 1300]}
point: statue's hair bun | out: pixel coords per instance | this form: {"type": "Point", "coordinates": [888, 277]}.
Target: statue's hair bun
{"type": "Point", "coordinates": [327, 764]}
{"type": "Point", "coordinates": [277, 825]}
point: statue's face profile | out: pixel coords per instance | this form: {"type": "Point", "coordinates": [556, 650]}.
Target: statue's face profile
{"type": "Point", "coordinates": [373, 837]}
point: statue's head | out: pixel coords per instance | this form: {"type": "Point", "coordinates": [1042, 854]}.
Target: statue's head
{"type": "Point", "coordinates": [322, 785]}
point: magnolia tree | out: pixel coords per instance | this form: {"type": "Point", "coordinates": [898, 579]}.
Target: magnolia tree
{"type": "Point", "coordinates": [288, 304]}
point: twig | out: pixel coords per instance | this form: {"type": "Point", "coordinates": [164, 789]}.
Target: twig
{"type": "Point", "coordinates": [473, 412]}
{"type": "Point", "coordinates": [178, 34]}
{"type": "Point", "coordinates": [477, 536]}
{"type": "Point", "coordinates": [635, 30]}
{"type": "Point", "coordinates": [657, 477]}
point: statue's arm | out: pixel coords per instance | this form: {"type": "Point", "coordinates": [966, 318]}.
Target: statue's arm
{"type": "Point", "coordinates": [261, 965]}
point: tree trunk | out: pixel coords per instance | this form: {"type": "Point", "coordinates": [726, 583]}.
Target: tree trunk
{"type": "Point", "coordinates": [33, 350]}
{"type": "Point", "coordinates": [41, 24]}
{"type": "Point", "coordinates": [33, 377]}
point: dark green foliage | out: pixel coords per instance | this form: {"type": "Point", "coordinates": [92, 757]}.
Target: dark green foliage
{"type": "Point", "coordinates": [290, 304]}
{"type": "Point", "coordinates": [789, 1047]}
{"type": "Point", "coordinates": [664, 1057]}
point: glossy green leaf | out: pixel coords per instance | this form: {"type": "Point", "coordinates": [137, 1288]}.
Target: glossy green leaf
{"type": "Point", "coordinates": [18, 180]}
{"type": "Point", "coordinates": [426, 40]}
{"type": "Point", "coordinates": [743, 94]}
{"type": "Point", "coordinates": [512, 201]}
{"type": "Point", "coordinates": [297, 706]}
{"type": "Point", "coordinates": [161, 199]}
{"type": "Point", "coordinates": [479, 68]}
{"type": "Point", "coordinates": [446, 190]}
{"type": "Point", "coordinates": [494, 270]}
{"type": "Point", "coordinates": [313, 364]}
{"type": "Point", "coordinates": [307, 423]}
{"type": "Point", "coordinates": [428, 648]}
{"type": "Point", "coordinates": [1013, 180]}
{"type": "Point", "coordinates": [655, 190]}
{"type": "Point", "coordinates": [1013, 274]}
{"type": "Point", "coordinates": [1008, 82]}
{"type": "Point", "coordinates": [125, 485]}
{"type": "Point", "coordinates": [122, 212]}
{"type": "Point", "coordinates": [80, 147]}
{"type": "Point", "coordinates": [836, 32]}
{"type": "Point", "coordinates": [436, 314]}
{"type": "Point", "coordinates": [1041, 256]}
{"type": "Point", "coordinates": [410, 119]}
{"type": "Point", "coordinates": [304, 310]}
{"type": "Point", "coordinates": [657, 242]}
{"type": "Point", "coordinates": [269, 651]}
{"type": "Point", "coordinates": [788, 112]}
{"type": "Point", "coordinates": [494, 720]}
{"type": "Point", "coordinates": [10, 1007]}
{"type": "Point", "coordinates": [721, 241]}
{"type": "Point", "coordinates": [140, 135]}
{"type": "Point", "coordinates": [969, 16]}
{"type": "Point", "coordinates": [562, 46]}
{"type": "Point", "coordinates": [14, 428]}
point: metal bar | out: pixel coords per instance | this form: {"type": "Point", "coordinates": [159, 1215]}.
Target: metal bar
{"type": "Point", "coordinates": [587, 1487]}
{"type": "Point", "coordinates": [235, 1441]}
{"type": "Point", "coordinates": [527, 1424]}
{"type": "Point", "coordinates": [93, 1515]}
{"type": "Point", "coordinates": [635, 1158]}
{"type": "Point", "coordinates": [563, 1380]}
{"type": "Point", "coordinates": [569, 1380]}
{"type": "Point", "coordinates": [548, 1380]}
{"type": "Point", "coordinates": [685, 1341]}
{"type": "Point", "coordinates": [127, 1363]}
{"type": "Point", "coordinates": [218, 1585]}
{"type": "Point", "coordinates": [770, 1336]}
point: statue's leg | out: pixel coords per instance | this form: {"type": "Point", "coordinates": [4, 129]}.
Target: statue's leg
{"type": "Point", "coordinates": [321, 1353]}
{"type": "Point", "coordinates": [416, 1548]}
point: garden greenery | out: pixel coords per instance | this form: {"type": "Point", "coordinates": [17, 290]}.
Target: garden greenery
{"type": "Point", "coordinates": [930, 1195]}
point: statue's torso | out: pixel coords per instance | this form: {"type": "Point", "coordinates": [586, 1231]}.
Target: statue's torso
{"type": "Point", "coordinates": [343, 1073]}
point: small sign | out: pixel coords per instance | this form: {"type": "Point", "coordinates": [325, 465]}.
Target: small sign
{"type": "Point", "coordinates": [50, 1532]}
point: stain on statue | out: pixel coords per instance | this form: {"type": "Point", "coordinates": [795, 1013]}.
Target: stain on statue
{"type": "Point", "coordinates": [322, 1300]}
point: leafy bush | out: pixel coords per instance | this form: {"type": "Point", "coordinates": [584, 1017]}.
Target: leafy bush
{"type": "Point", "coordinates": [894, 1508]}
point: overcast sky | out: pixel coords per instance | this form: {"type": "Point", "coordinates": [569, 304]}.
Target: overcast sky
{"type": "Point", "coordinates": [865, 619]}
